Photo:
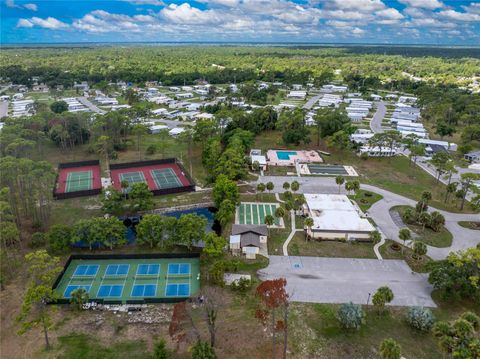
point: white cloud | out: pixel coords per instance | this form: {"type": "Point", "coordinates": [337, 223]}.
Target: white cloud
{"type": "Point", "coordinates": [146, 2]}
{"type": "Point", "coordinates": [186, 14]}
{"type": "Point", "coordinates": [424, 4]}
{"type": "Point", "coordinates": [24, 23]}
{"type": "Point", "coordinates": [12, 4]}
{"type": "Point", "coordinates": [357, 31]}
{"type": "Point", "coordinates": [227, 3]}
{"type": "Point", "coordinates": [48, 23]}
{"type": "Point", "coordinates": [391, 14]}
{"type": "Point", "coordinates": [459, 16]}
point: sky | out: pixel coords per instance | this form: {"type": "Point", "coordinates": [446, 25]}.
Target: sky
{"type": "Point", "coordinates": [438, 22]}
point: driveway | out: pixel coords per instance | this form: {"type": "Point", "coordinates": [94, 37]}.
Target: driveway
{"type": "Point", "coordinates": [84, 101]}
{"type": "Point", "coordinates": [309, 104]}
{"type": "Point", "coordinates": [3, 109]}
{"type": "Point", "coordinates": [376, 122]}
{"type": "Point", "coordinates": [341, 280]}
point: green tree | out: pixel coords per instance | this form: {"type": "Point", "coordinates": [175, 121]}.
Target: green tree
{"type": "Point", "coordinates": [79, 298]}
{"type": "Point", "coordinates": [151, 231]}
{"type": "Point", "coordinates": [309, 223]}
{"type": "Point", "coordinates": [382, 296]}
{"type": "Point", "coordinates": [295, 186]}
{"type": "Point", "coordinates": [279, 212]}
{"type": "Point", "coordinates": [459, 338]}
{"type": "Point", "coordinates": [43, 269]}
{"type": "Point", "coordinates": [112, 201]}
{"type": "Point", "coordinates": [437, 221]}
{"type": "Point", "coordinates": [190, 229]}
{"type": "Point", "coordinates": [223, 189]}
{"type": "Point", "coordinates": [261, 187]}
{"type": "Point", "coordinates": [330, 121]}
{"type": "Point", "coordinates": [139, 130]}
{"type": "Point", "coordinates": [405, 235]}
{"type": "Point", "coordinates": [339, 180]}
{"type": "Point", "coordinates": [440, 161]}
{"type": "Point", "coordinates": [59, 238]}
{"type": "Point", "coordinates": [270, 186]}
{"type": "Point", "coordinates": [466, 180]}
{"type": "Point", "coordinates": [419, 248]}
{"type": "Point", "coordinates": [390, 349]}
{"type": "Point", "coordinates": [9, 235]}
{"type": "Point", "coordinates": [214, 245]}
{"type": "Point", "coordinates": [286, 186]}
{"type": "Point", "coordinates": [415, 152]}
{"type": "Point", "coordinates": [424, 219]}
{"type": "Point", "coordinates": [269, 220]}
{"type": "Point", "coordinates": [140, 198]}
{"type": "Point", "coordinates": [59, 106]}
{"type": "Point", "coordinates": [202, 350]}
{"type": "Point", "coordinates": [226, 212]}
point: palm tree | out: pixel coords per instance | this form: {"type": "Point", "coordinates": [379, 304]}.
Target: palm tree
{"type": "Point", "coordinates": [426, 197]}
{"type": "Point", "coordinates": [286, 186]}
{"type": "Point", "coordinates": [390, 349]}
{"type": "Point", "coordinates": [295, 186]}
{"type": "Point", "coordinates": [261, 187]}
{"type": "Point", "coordinates": [279, 212]}
{"type": "Point", "coordinates": [309, 223]}
{"type": "Point", "coordinates": [270, 186]}
{"type": "Point", "coordinates": [451, 188]}
{"type": "Point", "coordinates": [420, 249]}
{"type": "Point", "coordinates": [349, 186]}
{"type": "Point", "coordinates": [124, 185]}
{"type": "Point", "coordinates": [339, 180]}
{"type": "Point", "coordinates": [424, 218]}
{"type": "Point", "coordinates": [269, 220]}
{"type": "Point", "coordinates": [79, 298]}
{"type": "Point", "coordinates": [355, 186]}
{"type": "Point", "coordinates": [405, 235]}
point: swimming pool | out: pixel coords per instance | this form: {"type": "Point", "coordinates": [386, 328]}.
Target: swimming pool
{"type": "Point", "coordinates": [285, 155]}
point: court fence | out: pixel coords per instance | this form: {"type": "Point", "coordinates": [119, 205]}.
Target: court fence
{"type": "Point", "coordinates": [84, 193]}
{"type": "Point", "coordinates": [163, 161]}
{"type": "Point", "coordinates": [122, 256]}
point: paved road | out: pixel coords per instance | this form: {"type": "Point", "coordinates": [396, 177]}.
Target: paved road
{"type": "Point", "coordinates": [172, 123]}
{"type": "Point", "coordinates": [463, 238]}
{"type": "Point", "coordinates": [84, 101]}
{"type": "Point", "coordinates": [312, 102]}
{"type": "Point", "coordinates": [340, 280]}
{"type": "Point", "coordinates": [376, 122]}
{"type": "Point", "coordinates": [3, 109]}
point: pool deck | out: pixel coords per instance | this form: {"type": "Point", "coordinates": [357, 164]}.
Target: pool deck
{"type": "Point", "coordinates": [300, 156]}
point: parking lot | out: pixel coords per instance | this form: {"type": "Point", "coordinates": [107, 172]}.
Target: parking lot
{"type": "Point", "coordinates": [340, 280]}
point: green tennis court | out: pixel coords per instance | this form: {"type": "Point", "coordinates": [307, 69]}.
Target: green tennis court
{"type": "Point", "coordinates": [254, 213]}
{"type": "Point", "coordinates": [132, 177]}
{"type": "Point", "coordinates": [131, 279]}
{"type": "Point", "coordinates": [165, 178]}
{"type": "Point", "coordinates": [79, 181]}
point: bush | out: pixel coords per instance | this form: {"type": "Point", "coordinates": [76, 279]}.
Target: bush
{"type": "Point", "coordinates": [160, 350]}
{"type": "Point", "coordinates": [216, 272]}
{"type": "Point", "coordinates": [350, 316]}
{"type": "Point", "coordinates": [38, 240]}
{"type": "Point", "coordinates": [242, 285]}
{"type": "Point", "coordinates": [420, 318]}
{"type": "Point", "coordinates": [202, 350]}
{"type": "Point", "coordinates": [151, 149]}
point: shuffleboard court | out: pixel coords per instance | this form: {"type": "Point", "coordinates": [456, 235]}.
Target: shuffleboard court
{"type": "Point", "coordinates": [121, 280]}
{"type": "Point", "coordinates": [254, 213]}
{"type": "Point", "coordinates": [79, 181]}
{"type": "Point", "coordinates": [165, 178]}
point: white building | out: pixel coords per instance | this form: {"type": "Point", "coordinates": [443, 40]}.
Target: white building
{"type": "Point", "coordinates": [185, 95]}
{"type": "Point", "coordinates": [378, 151]}
{"type": "Point", "coordinates": [157, 128]}
{"type": "Point", "coordinates": [335, 217]}
{"type": "Point", "coordinates": [297, 94]}
{"type": "Point", "coordinates": [176, 131]}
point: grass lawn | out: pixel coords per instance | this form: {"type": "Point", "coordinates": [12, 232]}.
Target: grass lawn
{"type": "Point", "coordinates": [405, 253]}
{"type": "Point", "coordinates": [440, 239]}
{"type": "Point", "coordinates": [299, 247]}
{"type": "Point", "coordinates": [82, 346]}
{"type": "Point", "coordinates": [278, 236]}
{"type": "Point", "coordinates": [279, 170]}
{"type": "Point", "coordinates": [365, 199]}
{"type": "Point", "coordinates": [470, 225]}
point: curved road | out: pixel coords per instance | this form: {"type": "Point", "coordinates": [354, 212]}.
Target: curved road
{"type": "Point", "coordinates": [463, 238]}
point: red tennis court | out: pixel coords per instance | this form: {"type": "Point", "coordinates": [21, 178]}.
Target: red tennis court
{"type": "Point", "coordinates": [78, 179]}
{"type": "Point", "coordinates": [161, 176]}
